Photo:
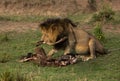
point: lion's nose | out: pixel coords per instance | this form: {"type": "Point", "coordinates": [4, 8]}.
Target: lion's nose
{"type": "Point", "coordinates": [44, 42]}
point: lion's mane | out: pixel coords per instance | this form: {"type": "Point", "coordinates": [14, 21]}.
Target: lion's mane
{"type": "Point", "coordinates": [59, 28]}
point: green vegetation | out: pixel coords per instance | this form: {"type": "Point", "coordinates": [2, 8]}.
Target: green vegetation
{"type": "Point", "coordinates": [16, 18]}
{"type": "Point", "coordinates": [4, 58]}
{"type": "Point", "coordinates": [15, 44]}
{"type": "Point", "coordinates": [98, 32]}
{"type": "Point", "coordinates": [4, 37]}
{"type": "Point", "coordinates": [105, 14]}
{"type": "Point", "coordinates": [35, 18]}
{"type": "Point", "coordinates": [80, 18]}
{"type": "Point", "coordinates": [103, 68]}
{"type": "Point", "coordinates": [116, 18]}
{"type": "Point", "coordinates": [6, 76]}
{"type": "Point", "coordinates": [9, 76]}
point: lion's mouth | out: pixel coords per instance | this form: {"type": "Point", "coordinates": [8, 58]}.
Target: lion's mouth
{"type": "Point", "coordinates": [58, 41]}
{"type": "Point", "coordinates": [49, 43]}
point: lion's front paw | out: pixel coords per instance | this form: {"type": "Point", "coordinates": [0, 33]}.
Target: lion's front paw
{"type": "Point", "coordinates": [86, 58]}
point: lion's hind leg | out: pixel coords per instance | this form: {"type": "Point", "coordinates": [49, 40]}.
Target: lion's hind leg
{"type": "Point", "coordinates": [92, 47]}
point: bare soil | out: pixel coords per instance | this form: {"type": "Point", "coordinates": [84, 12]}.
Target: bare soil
{"type": "Point", "coordinates": [106, 28]}
{"type": "Point", "coordinates": [8, 26]}
{"type": "Point", "coordinates": [52, 7]}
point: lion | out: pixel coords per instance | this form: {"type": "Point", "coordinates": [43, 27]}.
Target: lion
{"type": "Point", "coordinates": [62, 33]}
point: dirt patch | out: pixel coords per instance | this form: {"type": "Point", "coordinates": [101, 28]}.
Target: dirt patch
{"type": "Point", "coordinates": [106, 28]}
{"type": "Point", "coordinates": [50, 7]}
{"type": "Point", "coordinates": [7, 26]}
{"type": "Point", "coordinates": [112, 28]}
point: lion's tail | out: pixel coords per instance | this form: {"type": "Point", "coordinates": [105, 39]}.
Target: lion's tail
{"type": "Point", "coordinates": [111, 50]}
{"type": "Point", "coordinates": [100, 49]}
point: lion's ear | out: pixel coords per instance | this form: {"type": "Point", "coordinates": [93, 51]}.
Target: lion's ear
{"type": "Point", "coordinates": [53, 27]}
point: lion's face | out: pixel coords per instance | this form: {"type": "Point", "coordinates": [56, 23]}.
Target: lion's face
{"type": "Point", "coordinates": [54, 29]}
{"type": "Point", "coordinates": [50, 35]}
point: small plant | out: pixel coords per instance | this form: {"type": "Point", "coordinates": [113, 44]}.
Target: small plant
{"type": "Point", "coordinates": [104, 15]}
{"type": "Point", "coordinates": [98, 32]}
{"type": "Point", "coordinates": [6, 76]}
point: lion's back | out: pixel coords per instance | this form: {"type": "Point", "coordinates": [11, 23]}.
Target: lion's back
{"type": "Point", "coordinates": [81, 35]}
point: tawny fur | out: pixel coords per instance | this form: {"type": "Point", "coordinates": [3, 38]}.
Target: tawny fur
{"type": "Point", "coordinates": [78, 40]}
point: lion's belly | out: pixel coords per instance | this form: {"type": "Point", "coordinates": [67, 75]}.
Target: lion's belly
{"type": "Point", "coordinates": [82, 49]}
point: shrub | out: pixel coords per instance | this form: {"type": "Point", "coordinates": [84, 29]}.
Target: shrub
{"type": "Point", "coordinates": [98, 32]}
{"type": "Point", "coordinates": [104, 15]}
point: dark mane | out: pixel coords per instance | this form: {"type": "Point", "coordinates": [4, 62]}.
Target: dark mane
{"type": "Point", "coordinates": [57, 21]}
{"type": "Point", "coordinates": [66, 20]}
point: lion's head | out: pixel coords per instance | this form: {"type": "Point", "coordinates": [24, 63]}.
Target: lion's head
{"type": "Point", "coordinates": [53, 29]}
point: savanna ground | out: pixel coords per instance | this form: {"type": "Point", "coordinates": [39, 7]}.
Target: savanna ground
{"type": "Point", "coordinates": [18, 35]}
{"type": "Point", "coordinates": [19, 38]}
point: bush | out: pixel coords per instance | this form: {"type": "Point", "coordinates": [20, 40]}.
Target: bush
{"type": "Point", "coordinates": [104, 15]}
{"type": "Point", "coordinates": [98, 32]}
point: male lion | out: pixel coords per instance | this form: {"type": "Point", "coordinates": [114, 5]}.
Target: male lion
{"type": "Point", "coordinates": [64, 34]}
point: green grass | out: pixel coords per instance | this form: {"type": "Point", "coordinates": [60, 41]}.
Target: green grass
{"type": "Point", "coordinates": [16, 18]}
{"type": "Point", "coordinates": [79, 18]}
{"type": "Point", "coordinates": [103, 68]}
{"type": "Point", "coordinates": [116, 18]}
{"type": "Point", "coordinates": [37, 18]}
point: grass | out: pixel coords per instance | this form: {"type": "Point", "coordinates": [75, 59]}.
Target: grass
{"type": "Point", "coordinates": [37, 18]}
{"type": "Point", "coordinates": [16, 18]}
{"type": "Point", "coordinates": [79, 18]}
{"type": "Point", "coordinates": [116, 18]}
{"type": "Point", "coordinates": [103, 68]}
